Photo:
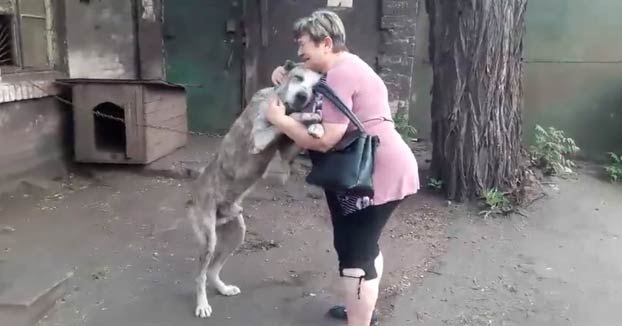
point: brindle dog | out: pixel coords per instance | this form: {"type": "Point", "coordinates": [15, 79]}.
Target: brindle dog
{"type": "Point", "coordinates": [246, 150]}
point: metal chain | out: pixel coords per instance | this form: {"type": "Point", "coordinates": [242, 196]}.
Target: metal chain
{"type": "Point", "coordinates": [111, 117]}
{"type": "Point", "coordinates": [189, 132]}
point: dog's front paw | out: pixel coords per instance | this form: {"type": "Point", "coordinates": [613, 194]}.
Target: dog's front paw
{"type": "Point", "coordinates": [306, 118]}
{"type": "Point", "coordinates": [316, 130]}
{"type": "Point", "coordinates": [229, 290]}
{"type": "Point", "coordinates": [203, 310]}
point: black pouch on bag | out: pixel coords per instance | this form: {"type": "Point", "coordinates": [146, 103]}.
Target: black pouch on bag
{"type": "Point", "coordinates": [349, 165]}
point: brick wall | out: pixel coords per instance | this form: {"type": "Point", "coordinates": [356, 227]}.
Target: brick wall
{"type": "Point", "coordinates": [34, 138]}
{"type": "Point", "coordinates": [397, 50]}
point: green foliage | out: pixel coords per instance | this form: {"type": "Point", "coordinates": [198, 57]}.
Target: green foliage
{"type": "Point", "coordinates": [614, 169]}
{"type": "Point", "coordinates": [495, 201]}
{"type": "Point", "coordinates": [407, 131]}
{"type": "Point", "coordinates": [494, 198]}
{"type": "Point", "coordinates": [435, 184]}
{"type": "Point", "coordinates": [552, 150]}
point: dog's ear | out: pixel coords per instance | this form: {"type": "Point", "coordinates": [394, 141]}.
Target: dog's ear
{"type": "Point", "coordinates": [289, 65]}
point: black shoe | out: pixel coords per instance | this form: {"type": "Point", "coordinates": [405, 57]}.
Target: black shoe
{"type": "Point", "coordinates": [339, 312]}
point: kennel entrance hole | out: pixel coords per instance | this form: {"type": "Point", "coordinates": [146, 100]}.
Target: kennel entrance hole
{"type": "Point", "coordinates": [110, 134]}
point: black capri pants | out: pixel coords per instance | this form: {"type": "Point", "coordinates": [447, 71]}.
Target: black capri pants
{"type": "Point", "coordinates": [356, 235]}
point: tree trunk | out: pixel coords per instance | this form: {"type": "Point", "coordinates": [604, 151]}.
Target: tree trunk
{"type": "Point", "coordinates": [475, 49]}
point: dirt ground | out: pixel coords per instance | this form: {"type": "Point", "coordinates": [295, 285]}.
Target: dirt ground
{"type": "Point", "coordinates": [133, 254]}
{"type": "Point", "coordinates": [561, 265]}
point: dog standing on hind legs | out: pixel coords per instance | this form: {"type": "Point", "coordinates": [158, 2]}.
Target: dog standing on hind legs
{"type": "Point", "coordinates": [215, 209]}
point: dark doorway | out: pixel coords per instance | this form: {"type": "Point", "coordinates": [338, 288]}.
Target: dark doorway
{"type": "Point", "coordinates": [270, 39]}
{"type": "Point", "coordinates": [110, 133]}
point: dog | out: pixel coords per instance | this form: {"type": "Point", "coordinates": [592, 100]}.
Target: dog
{"type": "Point", "coordinates": [215, 208]}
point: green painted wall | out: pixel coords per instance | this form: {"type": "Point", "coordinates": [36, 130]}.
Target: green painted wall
{"type": "Point", "coordinates": [573, 50]}
{"type": "Point", "coordinates": [573, 74]}
{"type": "Point", "coordinates": [199, 56]}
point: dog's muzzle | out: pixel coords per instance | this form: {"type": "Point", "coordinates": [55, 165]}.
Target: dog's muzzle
{"type": "Point", "coordinates": [301, 99]}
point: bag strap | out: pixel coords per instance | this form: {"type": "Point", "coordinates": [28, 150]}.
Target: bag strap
{"type": "Point", "coordinates": [324, 89]}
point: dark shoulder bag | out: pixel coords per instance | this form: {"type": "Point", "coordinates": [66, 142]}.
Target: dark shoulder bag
{"type": "Point", "coordinates": [348, 167]}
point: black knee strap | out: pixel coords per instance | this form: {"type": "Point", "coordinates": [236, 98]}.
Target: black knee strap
{"type": "Point", "coordinates": [369, 267]}
{"type": "Point", "coordinates": [360, 278]}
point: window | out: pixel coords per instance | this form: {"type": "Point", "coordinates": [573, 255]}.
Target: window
{"type": "Point", "coordinates": [7, 54]}
{"type": "Point", "coordinates": [24, 35]}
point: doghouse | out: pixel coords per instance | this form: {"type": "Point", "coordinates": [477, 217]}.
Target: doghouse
{"type": "Point", "coordinates": [127, 121]}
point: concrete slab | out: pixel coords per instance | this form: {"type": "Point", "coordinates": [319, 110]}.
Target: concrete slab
{"type": "Point", "coordinates": [26, 294]}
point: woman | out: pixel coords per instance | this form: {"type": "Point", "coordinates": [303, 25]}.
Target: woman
{"type": "Point", "coordinates": [357, 222]}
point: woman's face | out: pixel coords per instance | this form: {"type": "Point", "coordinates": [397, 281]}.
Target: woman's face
{"type": "Point", "coordinates": [314, 56]}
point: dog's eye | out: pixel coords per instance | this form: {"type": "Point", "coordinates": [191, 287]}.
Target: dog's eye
{"type": "Point", "coordinates": [298, 78]}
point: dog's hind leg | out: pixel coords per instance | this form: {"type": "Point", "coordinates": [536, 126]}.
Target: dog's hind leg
{"type": "Point", "coordinates": [203, 309]}
{"type": "Point", "coordinates": [230, 237]}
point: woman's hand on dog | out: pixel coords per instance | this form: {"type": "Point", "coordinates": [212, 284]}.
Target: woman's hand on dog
{"type": "Point", "coordinates": [278, 75]}
{"type": "Point", "coordinates": [275, 111]}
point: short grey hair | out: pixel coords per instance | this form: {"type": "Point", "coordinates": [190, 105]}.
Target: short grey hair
{"type": "Point", "coordinates": [321, 24]}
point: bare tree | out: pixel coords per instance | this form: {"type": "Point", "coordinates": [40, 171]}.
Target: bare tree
{"type": "Point", "coordinates": [476, 50]}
